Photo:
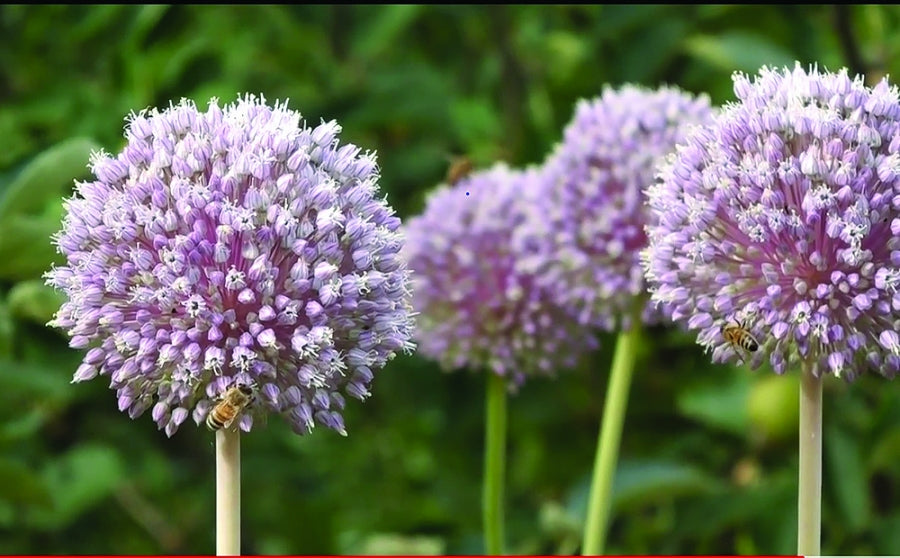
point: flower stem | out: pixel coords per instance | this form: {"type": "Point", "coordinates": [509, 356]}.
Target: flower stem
{"type": "Point", "coordinates": [809, 503]}
{"type": "Point", "coordinates": [228, 492]}
{"type": "Point", "coordinates": [600, 498]}
{"type": "Point", "coordinates": [494, 463]}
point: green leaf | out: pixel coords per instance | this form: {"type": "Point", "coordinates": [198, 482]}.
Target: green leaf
{"type": "Point", "coordinates": [48, 176]}
{"type": "Point", "coordinates": [399, 544]}
{"type": "Point", "coordinates": [23, 425]}
{"type": "Point", "coordinates": [78, 480]}
{"type": "Point", "coordinates": [26, 250]}
{"type": "Point", "coordinates": [886, 534]}
{"type": "Point", "coordinates": [477, 122]}
{"type": "Point", "coordinates": [34, 381]}
{"type": "Point", "coordinates": [885, 456]}
{"type": "Point", "coordinates": [21, 486]}
{"type": "Point", "coordinates": [639, 482]}
{"type": "Point", "coordinates": [7, 331]}
{"type": "Point", "coordinates": [145, 21]}
{"type": "Point", "coordinates": [646, 57]}
{"type": "Point", "coordinates": [773, 407]}
{"type": "Point", "coordinates": [33, 300]}
{"type": "Point", "coordinates": [770, 502]}
{"type": "Point", "coordinates": [738, 51]}
{"type": "Point", "coordinates": [719, 405]}
{"type": "Point", "coordinates": [847, 476]}
{"type": "Point", "coordinates": [384, 27]}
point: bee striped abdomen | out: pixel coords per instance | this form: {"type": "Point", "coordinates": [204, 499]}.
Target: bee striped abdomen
{"type": "Point", "coordinates": [233, 402]}
{"type": "Point", "coordinates": [217, 419]}
{"type": "Point", "coordinates": [737, 335]}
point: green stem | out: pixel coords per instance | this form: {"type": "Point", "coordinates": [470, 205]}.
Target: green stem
{"type": "Point", "coordinates": [494, 463]}
{"type": "Point", "coordinates": [608, 444]}
{"type": "Point", "coordinates": [809, 502]}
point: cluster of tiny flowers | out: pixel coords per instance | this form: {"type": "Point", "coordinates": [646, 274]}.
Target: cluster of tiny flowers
{"type": "Point", "coordinates": [783, 217]}
{"type": "Point", "coordinates": [477, 308]}
{"type": "Point", "coordinates": [592, 228]}
{"type": "Point", "coordinates": [233, 247]}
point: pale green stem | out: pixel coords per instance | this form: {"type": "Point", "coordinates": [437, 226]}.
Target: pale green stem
{"type": "Point", "coordinates": [600, 499]}
{"type": "Point", "coordinates": [494, 463]}
{"type": "Point", "coordinates": [809, 502]}
{"type": "Point", "coordinates": [228, 492]}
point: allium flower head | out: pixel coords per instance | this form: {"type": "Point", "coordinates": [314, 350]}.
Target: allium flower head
{"type": "Point", "coordinates": [595, 206]}
{"type": "Point", "coordinates": [785, 214]}
{"type": "Point", "coordinates": [477, 307]}
{"type": "Point", "coordinates": [227, 247]}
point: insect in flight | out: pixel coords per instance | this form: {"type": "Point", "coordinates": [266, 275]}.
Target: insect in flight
{"type": "Point", "coordinates": [460, 167]}
{"type": "Point", "coordinates": [230, 405]}
{"type": "Point", "coordinates": [738, 336]}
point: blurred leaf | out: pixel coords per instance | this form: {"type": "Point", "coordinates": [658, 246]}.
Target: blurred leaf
{"type": "Point", "coordinates": [886, 454]}
{"type": "Point", "coordinates": [738, 51]}
{"type": "Point", "coordinates": [48, 176]}
{"type": "Point", "coordinates": [26, 250]}
{"type": "Point", "coordinates": [78, 480]}
{"type": "Point", "coordinates": [23, 425]}
{"type": "Point", "coordinates": [479, 125]}
{"type": "Point", "coordinates": [146, 19]}
{"type": "Point", "coordinates": [617, 20]}
{"type": "Point", "coordinates": [540, 110]}
{"type": "Point", "coordinates": [35, 301]}
{"type": "Point", "coordinates": [773, 406]}
{"type": "Point", "coordinates": [7, 514]}
{"type": "Point", "coordinates": [847, 476]}
{"type": "Point", "coordinates": [394, 544]}
{"type": "Point", "coordinates": [652, 51]}
{"type": "Point", "coordinates": [720, 405]}
{"type": "Point", "coordinates": [21, 486]}
{"type": "Point", "coordinates": [769, 502]}
{"type": "Point", "coordinates": [7, 328]}
{"type": "Point", "coordinates": [640, 482]}
{"type": "Point", "coordinates": [567, 50]}
{"type": "Point", "coordinates": [33, 381]}
{"type": "Point", "coordinates": [886, 534]}
{"type": "Point", "coordinates": [383, 27]}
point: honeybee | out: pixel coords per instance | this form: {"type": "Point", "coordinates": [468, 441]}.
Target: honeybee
{"type": "Point", "coordinates": [738, 336]}
{"type": "Point", "coordinates": [230, 406]}
{"type": "Point", "coordinates": [460, 167]}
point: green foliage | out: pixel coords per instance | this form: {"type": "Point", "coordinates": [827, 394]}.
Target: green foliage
{"type": "Point", "coordinates": [708, 463]}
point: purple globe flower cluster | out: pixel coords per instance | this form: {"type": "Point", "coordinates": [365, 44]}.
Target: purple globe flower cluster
{"type": "Point", "coordinates": [514, 270]}
{"type": "Point", "coordinates": [784, 217]}
{"type": "Point", "coordinates": [227, 247]}
{"type": "Point", "coordinates": [479, 306]}
{"type": "Point", "coordinates": [592, 230]}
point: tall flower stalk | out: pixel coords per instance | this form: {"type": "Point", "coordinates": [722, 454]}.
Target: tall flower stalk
{"type": "Point", "coordinates": [809, 497]}
{"type": "Point", "coordinates": [494, 465]}
{"type": "Point", "coordinates": [611, 424]}
{"type": "Point", "coordinates": [233, 247]}
{"type": "Point", "coordinates": [228, 492]}
{"type": "Point", "coordinates": [783, 217]}
{"type": "Point", "coordinates": [481, 305]}
{"type": "Point", "coordinates": [591, 234]}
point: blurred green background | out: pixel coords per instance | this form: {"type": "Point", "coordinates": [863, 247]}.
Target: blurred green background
{"type": "Point", "coordinates": [709, 454]}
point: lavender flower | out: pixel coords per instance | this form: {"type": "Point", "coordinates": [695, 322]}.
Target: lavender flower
{"type": "Point", "coordinates": [229, 247]}
{"type": "Point", "coordinates": [785, 215]}
{"type": "Point", "coordinates": [593, 226]}
{"type": "Point", "coordinates": [478, 308]}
